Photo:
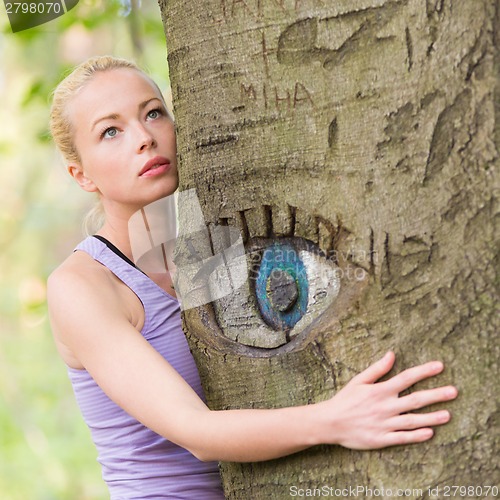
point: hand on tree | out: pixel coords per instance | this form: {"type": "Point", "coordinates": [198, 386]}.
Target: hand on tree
{"type": "Point", "coordinates": [370, 414]}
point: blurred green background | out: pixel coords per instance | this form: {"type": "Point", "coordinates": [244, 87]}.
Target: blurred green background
{"type": "Point", "coordinates": [45, 448]}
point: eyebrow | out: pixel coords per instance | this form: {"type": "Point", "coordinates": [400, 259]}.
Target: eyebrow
{"type": "Point", "coordinates": [114, 116]}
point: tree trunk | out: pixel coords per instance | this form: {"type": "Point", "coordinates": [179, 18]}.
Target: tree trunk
{"type": "Point", "coordinates": [363, 136]}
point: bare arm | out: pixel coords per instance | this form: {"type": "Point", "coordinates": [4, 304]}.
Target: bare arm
{"type": "Point", "coordinates": [363, 415]}
{"type": "Point", "coordinates": [87, 315]}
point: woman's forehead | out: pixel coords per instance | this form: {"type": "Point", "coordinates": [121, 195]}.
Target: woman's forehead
{"type": "Point", "coordinates": [114, 81]}
{"type": "Point", "coordinates": [110, 90]}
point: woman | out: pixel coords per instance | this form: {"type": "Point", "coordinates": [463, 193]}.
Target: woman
{"type": "Point", "coordinates": [118, 330]}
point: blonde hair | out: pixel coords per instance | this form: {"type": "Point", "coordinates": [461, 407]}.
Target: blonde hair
{"type": "Point", "coordinates": [60, 124]}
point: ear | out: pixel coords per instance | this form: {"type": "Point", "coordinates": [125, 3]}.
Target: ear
{"type": "Point", "coordinates": [76, 171]}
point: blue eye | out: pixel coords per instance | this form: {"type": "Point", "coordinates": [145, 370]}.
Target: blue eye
{"type": "Point", "coordinates": [281, 286]}
{"type": "Point", "coordinates": [109, 132]}
{"type": "Point", "coordinates": [290, 284]}
{"type": "Point", "coordinates": [263, 291]}
{"type": "Point", "coordinates": [154, 113]}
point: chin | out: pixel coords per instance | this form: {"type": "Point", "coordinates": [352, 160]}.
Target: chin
{"type": "Point", "coordinates": [168, 190]}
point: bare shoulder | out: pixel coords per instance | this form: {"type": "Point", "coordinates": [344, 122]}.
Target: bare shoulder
{"type": "Point", "coordinates": [81, 293]}
{"type": "Point", "coordinates": [78, 276]}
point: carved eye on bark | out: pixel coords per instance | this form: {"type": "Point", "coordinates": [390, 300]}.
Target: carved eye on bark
{"type": "Point", "coordinates": [281, 286]}
{"type": "Point", "coordinates": [262, 277]}
{"type": "Point", "coordinates": [290, 283]}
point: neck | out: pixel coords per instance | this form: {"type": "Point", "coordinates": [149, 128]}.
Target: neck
{"type": "Point", "coordinates": [153, 261]}
{"type": "Point", "coordinates": [116, 231]}
{"type": "Point", "coordinates": [116, 226]}
{"type": "Point", "coordinates": [154, 223]}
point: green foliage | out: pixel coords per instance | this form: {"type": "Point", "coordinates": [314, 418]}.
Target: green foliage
{"type": "Point", "coordinates": [46, 450]}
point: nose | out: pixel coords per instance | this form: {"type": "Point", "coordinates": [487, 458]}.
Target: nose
{"type": "Point", "coordinates": [146, 139]}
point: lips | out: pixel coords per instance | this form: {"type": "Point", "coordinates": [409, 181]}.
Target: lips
{"type": "Point", "coordinates": [156, 165]}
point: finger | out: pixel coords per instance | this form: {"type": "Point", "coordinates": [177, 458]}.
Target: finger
{"type": "Point", "coordinates": [411, 421]}
{"type": "Point", "coordinates": [408, 437]}
{"type": "Point", "coordinates": [411, 376]}
{"type": "Point", "coordinates": [419, 399]}
{"type": "Point", "coordinates": [376, 370]}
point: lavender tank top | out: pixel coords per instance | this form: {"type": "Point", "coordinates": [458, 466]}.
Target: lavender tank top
{"type": "Point", "coordinates": [136, 462]}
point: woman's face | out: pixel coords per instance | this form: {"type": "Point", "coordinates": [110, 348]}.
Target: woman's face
{"type": "Point", "coordinates": [125, 140]}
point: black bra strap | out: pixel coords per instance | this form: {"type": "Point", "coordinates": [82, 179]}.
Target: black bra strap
{"type": "Point", "coordinates": [115, 250]}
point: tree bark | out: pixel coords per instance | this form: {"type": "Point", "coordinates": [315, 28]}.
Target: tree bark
{"type": "Point", "coordinates": [364, 134]}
